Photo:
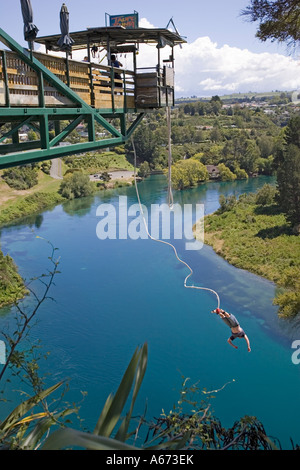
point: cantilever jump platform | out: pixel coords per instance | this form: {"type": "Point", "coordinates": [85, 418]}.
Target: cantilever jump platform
{"type": "Point", "coordinates": [53, 95]}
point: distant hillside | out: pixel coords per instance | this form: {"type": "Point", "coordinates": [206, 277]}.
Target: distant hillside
{"type": "Point", "coordinates": [238, 97]}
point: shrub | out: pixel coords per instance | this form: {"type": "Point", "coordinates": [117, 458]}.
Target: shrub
{"type": "Point", "coordinates": [225, 173]}
{"type": "Point", "coordinates": [11, 283]}
{"type": "Point", "coordinates": [144, 170]}
{"type": "Point", "coordinates": [240, 174]}
{"type": "Point", "coordinates": [266, 195]}
{"type": "Point", "coordinates": [188, 173]}
{"type": "Point", "coordinates": [46, 167]}
{"type": "Point", "coordinates": [78, 185]}
{"type": "Point", "coordinates": [21, 177]}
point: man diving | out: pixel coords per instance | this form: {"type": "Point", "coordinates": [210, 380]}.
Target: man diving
{"type": "Point", "coordinates": [236, 330]}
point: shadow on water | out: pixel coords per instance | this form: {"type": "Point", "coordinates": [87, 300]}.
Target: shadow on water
{"type": "Point", "coordinates": [78, 207]}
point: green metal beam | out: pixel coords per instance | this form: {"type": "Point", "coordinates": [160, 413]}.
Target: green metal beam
{"type": "Point", "coordinates": [18, 153]}
{"type": "Point", "coordinates": [14, 130]}
{"type": "Point", "coordinates": [135, 124]}
{"type": "Point", "coordinates": [36, 65]}
{"type": "Point", "coordinates": [39, 155]}
{"type": "Point", "coordinates": [19, 147]}
{"type": "Point", "coordinates": [66, 131]}
{"type": "Point", "coordinates": [26, 153]}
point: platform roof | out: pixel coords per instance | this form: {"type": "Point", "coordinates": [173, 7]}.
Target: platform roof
{"type": "Point", "coordinates": [115, 35]}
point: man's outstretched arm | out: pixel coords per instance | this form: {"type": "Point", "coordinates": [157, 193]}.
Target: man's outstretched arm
{"type": "Point", "coordinates": [248, 343]}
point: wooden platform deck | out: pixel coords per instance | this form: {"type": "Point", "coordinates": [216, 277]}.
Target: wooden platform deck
{"type": "Point", "coordinates": [105, 88]}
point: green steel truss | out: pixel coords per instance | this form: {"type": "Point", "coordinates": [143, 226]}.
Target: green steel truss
{"type": "Point", "coordinates": [46, 148]}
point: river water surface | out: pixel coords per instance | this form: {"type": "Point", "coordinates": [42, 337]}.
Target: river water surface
{"type": "Point", "coordinates": [113, 295]}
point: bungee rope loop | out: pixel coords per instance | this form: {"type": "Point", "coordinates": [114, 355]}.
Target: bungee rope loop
{"type": "Point", "coordinates": [163, 241]}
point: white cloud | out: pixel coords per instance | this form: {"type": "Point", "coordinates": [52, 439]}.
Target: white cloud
{"type": "Point", "coordinates": [144, 23]}
{"type": "Point", "coordinates": [204, 68]}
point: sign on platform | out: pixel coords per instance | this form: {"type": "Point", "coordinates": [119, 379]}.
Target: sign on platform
{"type": "Point", "coordinates": [127, 21]}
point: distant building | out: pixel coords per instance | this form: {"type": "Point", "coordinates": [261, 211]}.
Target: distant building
{"type": "Point", "coordinates": [213, 171]}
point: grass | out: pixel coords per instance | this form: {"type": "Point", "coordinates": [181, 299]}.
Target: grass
{"type": "Point", "coordinates": [106, 161]}
{"type": "Point", "coordinates": [15, 204]}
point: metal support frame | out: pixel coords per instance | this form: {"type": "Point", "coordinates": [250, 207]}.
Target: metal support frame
{"type": "Point", "coordinates": [46, 149]}
{"type": "Point", "coordinates": [17, 153]}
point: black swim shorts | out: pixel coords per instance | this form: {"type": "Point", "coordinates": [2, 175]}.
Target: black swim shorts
{"type": "Point", "coordinates": [240, 334]}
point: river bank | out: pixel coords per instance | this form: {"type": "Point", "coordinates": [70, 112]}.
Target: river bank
{"type": "Point", "coordinates": [114, 294]}
{"type": "Point", "coordinates": [258, 239]}
{"type": "Point", "coordinates": [17, 204]}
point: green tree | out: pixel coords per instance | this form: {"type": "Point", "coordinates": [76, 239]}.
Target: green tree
{"type": "Point", "coordinates": [240, 173]}
{"type": "Point", "coordinates": [265, 195]}
{"type": "Point", "coordinates": [21, 177]}
{"type": "Point", "coordinates": [225, 173]}
{"type": "Point", "coordinates": [278, 20]}
{"type": "Point", "coordinates": [188, 173]}
{"type": "Point", "coordinates": [227, 203]}
{"type": "Point", "coordinates": [32, 135]}
{"type": "Point", "coordinates": [287, 164]}
{"type": "Point", "coordinates": [77, 185]}
{"type": "Point", "coordinates": [11, 283]}
{"type": "Point", "coordinates": [146, 144]}
{"type": "Point", "coordinates": [288, 180]}
{"type": "Point", "coordinates": [216, 104]}
{"type": "Point", "coordinates": [248, 160]}
{"type": "Point", "coordinates": [144, 170]}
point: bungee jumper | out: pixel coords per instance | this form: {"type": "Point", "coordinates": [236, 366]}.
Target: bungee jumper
{"type": "Point", "coordinates": [236, 330]}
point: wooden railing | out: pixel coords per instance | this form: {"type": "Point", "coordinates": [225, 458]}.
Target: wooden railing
{"type": "Point", "coordinates": [154, 87]}
{"type": "Point", "coordinates": [99, 86]}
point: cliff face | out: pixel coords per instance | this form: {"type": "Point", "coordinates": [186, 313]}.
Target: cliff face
{"type": "Point", "coordinates": [11, 284]}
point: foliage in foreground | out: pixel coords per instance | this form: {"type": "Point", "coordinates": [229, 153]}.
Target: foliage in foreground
{"type": "Point", "coordinates": [197, 429]}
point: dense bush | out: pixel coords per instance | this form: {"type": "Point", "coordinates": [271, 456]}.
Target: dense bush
{"type": "Point", "coordinates": [21, 177]}
{"type": "Point", "coordinates": [287, 163]}
{"type": "Point", "coordinates": [144, 170]}
{"type": "Point", "coordinates": [188, 173]}
{"type": "Point", "coordinates": [225, 173]}
{"type": "Point", "coordinates": [46, 167]}
{"type": "Point", "coordinates": [29, 205]}
{"type": "Point", "coordinates": [77, 185]}
{"type": "Point", "coordinates": [266, 195]}
{"type": "Point", "coordinates": [240, 174]}
{"type": "Point", "coordinates": [11, 283]}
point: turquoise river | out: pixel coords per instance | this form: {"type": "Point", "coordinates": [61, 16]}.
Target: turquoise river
{"type": "Point", "coordinates": [113, 295]}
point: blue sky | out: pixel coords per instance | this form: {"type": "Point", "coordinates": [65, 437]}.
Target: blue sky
{"type": "Point", "coordinates": [222, 55]}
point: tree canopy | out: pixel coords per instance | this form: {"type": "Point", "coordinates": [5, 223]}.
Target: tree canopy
{"type": "Point", "coordinates": [188, 173]}
{"type": "Point", "coordinates": [288, 172]}
{"type": "Point", "coordinates": [279, 20]}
